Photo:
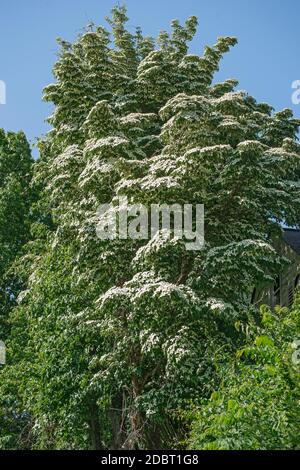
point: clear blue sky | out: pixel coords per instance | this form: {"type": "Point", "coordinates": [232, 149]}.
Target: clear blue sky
{"type": "Point", "coordinates": [266, 60]}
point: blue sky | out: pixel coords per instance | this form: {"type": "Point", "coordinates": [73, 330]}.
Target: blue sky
{"type": "Point", "coordinates": [266, 60]}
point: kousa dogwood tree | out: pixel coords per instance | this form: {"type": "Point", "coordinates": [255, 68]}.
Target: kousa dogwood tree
{"type": "Point", "coordinates": [123, 332]}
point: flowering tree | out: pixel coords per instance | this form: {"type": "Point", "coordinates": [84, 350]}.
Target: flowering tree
{"type": "Point", "coordinates": [123, 332]}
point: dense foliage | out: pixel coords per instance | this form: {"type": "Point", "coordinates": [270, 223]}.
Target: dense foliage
{"type": "Point", "coordinates": [16, 200]}
{"type": "Point", "coordinates": [109, 339]}
{"type": "Point", "coordinates": [257, 405]}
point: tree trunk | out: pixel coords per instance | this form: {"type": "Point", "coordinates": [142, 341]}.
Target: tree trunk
{"type": "Point", "coordinates": [94, 428]}
{"type": "Point", "coordinates": [116, 416]}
